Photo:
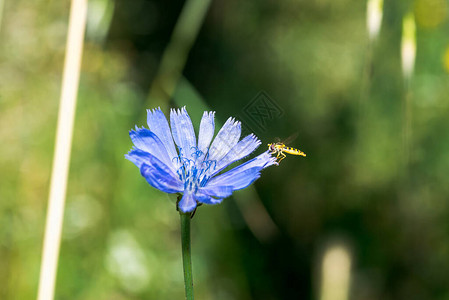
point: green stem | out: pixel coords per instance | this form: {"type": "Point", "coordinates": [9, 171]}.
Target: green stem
{"type": "Point", "coordinates": [186, 254]}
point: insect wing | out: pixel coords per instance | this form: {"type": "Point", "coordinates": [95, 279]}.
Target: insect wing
{"type": "Point", "coordinates": [290, 139]}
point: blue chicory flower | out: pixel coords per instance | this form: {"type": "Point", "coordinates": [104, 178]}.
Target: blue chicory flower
{"type": "Point", "coordinates": [195, 168]}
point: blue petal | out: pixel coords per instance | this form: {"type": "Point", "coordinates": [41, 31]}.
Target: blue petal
{"type": "Point", "coordinates": [219, 191]}
{"type": "Point", "coordinates": [187, 203]}
{"type": "Point", "coordinates": [263, 160]}
{"type": "Point", "coordinates": [138, 157]}
{"type": "Point", "coordinates": [147, 141]}
{"type": "Point", "coordinates": [206, 133]}
{"type": "Point", "coordinates": [243, 148]}
{"type": "Point", "coordinates": [158, 124]}
{"type": "Point", "coordinates": [226, 138]}
{"type": "Point", "coordinates": [236, 176]}
{"type": "Point", "coordinates": [200, 197]}
{"type": "Point", "coordinates": [238, 179]}
{"type": "Point", "coordinates": [159, 176]}
{"type": "Point", "coordinates": [183, 132]}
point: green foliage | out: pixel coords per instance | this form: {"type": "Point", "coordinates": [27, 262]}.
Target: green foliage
{"type": "Point", "coordinates": [343, 96]}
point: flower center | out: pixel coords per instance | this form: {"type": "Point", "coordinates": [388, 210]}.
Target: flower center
{"type": "Point", "coordinates": [195, 170]}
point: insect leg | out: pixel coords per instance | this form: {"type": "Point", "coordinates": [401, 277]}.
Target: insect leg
{"type": "Point", "coordinates": [282, 157]}
{"type": "Point", "coordinates": [278, 153]}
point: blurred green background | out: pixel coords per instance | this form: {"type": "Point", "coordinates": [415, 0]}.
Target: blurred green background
{"type": "Point", "coordinates": [342, 94]}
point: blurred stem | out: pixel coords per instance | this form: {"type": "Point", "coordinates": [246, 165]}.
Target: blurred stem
{"type": "Point", "coordinates": [406, 125]}
{"type": "Point", "coordinates": [186, 254]}
{"type": "Point", "coordinates": [175, 55]}
{"type": "Point", "coordinates": [2, 5]}
{"type": "Point", "coordinates": [366, 79]}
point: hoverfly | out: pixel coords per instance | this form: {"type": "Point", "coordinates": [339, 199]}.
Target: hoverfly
{"type": "Point", "coordinates": [279, 148]}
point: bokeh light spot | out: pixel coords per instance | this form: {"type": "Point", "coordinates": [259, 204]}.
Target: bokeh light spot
{"type": "Point", "coordinates": [430, 13]}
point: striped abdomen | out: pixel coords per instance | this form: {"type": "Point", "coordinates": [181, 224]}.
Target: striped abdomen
{"type": "Point", "coordinates": [293, 151]}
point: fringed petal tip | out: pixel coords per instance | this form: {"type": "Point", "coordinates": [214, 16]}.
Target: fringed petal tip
{"type": "Point", "coordinates": [179, 111]}
{"type": "Point", "coordinates": [255, 140]}
{"type": "Point", "coordinates": [137, 156]}
{"type": "Point", "coordinates": [231, 122]}
{"type": "Point", "coordinates": [236, 123]}
{"type": "Point", "coordinates": [153, 110]}
{"type": "Point", "coordinates": [271, 160]}
{"type": "Point", "coordinates": [210, 114]}
{"type": "Point", "coordinates": [136, 128]}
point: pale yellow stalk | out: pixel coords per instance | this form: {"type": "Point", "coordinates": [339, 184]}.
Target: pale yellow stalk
{"type": "Point", "coordinates": [408, 56]}
{"type": "Point", "coordinates": [2, 6]}
{"type": "Point", "coordinates": [374, 13]}
{"type": "Point", "coordinates": [408, 45]}
{"type": "Point", "coordinates": [335, 273]}
{"type": "Point", "coordinates": [61, 159]}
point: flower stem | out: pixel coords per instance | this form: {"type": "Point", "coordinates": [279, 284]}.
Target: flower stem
{"type": "Point", "coordinates": [186, 254]}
